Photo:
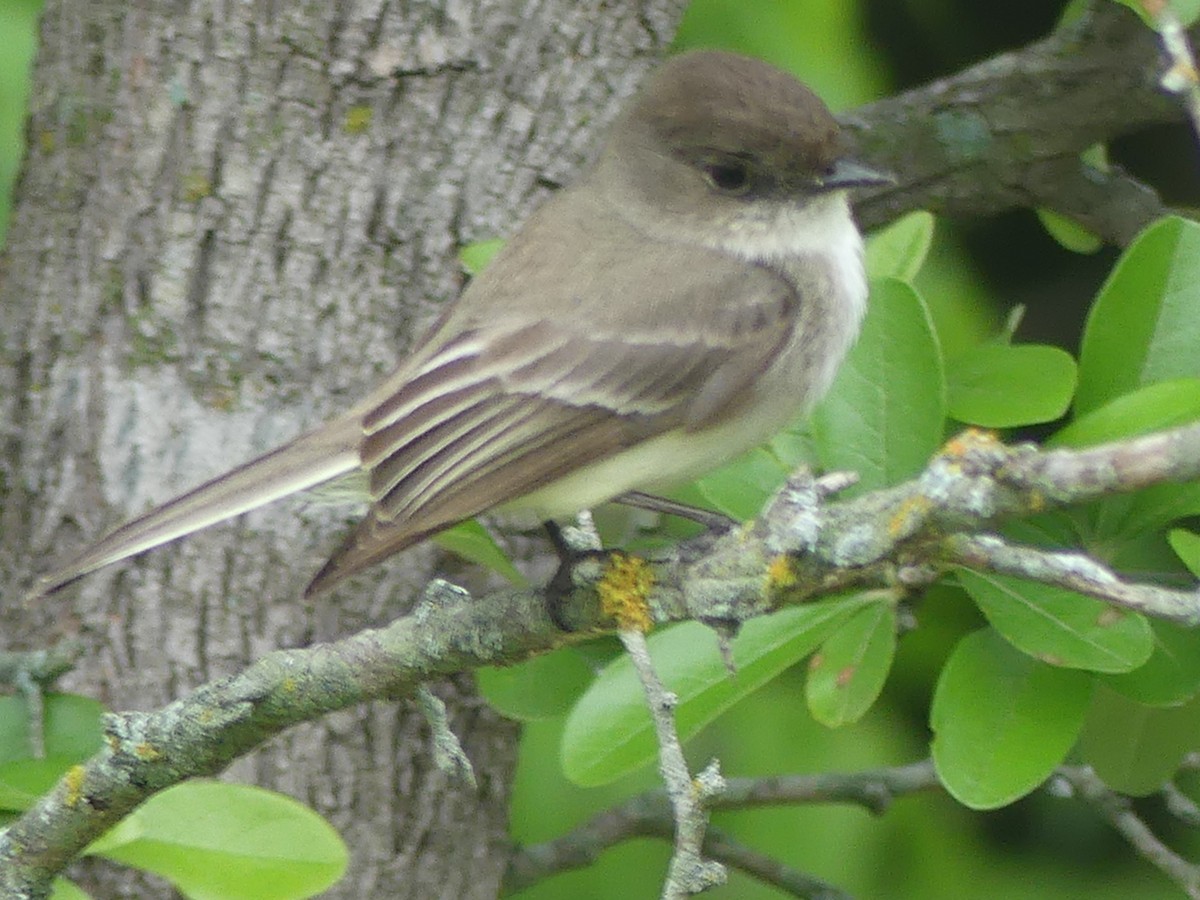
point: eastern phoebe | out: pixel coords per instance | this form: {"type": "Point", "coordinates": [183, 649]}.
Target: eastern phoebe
{"type": "Point", "coordinates": [690, 295]}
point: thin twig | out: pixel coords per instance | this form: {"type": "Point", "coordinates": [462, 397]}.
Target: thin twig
{"type": "Point", "coordinates": [1074, 571]}
{"type": "Point", "coordinates": [1116, 810]}
{"type": "Point", "coordinates": [649, 814]}
{"type": "Point", "coordinates": [722, 846]}
{"type": "Point", "coordinates": [689, 873]}
{"type": "Point", "coordinates": [1180, 805]}
{"type": "Point", "coordinates": [448, 753]}
{"type": "Point", "coordinates": [1181, 78]}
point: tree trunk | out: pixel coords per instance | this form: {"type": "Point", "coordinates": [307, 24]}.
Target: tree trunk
{"type": "Point", "coordinates": [234, 217]}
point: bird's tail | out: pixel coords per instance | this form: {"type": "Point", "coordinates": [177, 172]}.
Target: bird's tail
{"type": "Point", "coordinates": [309, 460]}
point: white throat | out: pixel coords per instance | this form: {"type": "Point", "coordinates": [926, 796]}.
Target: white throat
{"type": "Point", "coordinates": [786, 234]}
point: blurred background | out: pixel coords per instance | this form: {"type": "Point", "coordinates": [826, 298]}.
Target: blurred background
{"type": "Point", "coordinates": [853, 51]}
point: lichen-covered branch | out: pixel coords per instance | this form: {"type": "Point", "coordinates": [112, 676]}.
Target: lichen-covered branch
{"type": "Point", "coordinates": [1007, 133]}
{"type": "Point", "coordinates": [802, 547]}
{"type": "Point", "coordinates": [1074, 571]}
{"type": "Point", "coordinates": [201, 733]}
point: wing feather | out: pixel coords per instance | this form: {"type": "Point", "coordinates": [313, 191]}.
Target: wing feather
{"type": "Point", "coordinates": [503, 399]}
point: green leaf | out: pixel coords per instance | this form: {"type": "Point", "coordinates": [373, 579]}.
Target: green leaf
{"type": "Point", "coordinates": [1002, 721]}
{"type": "Point", "coordinates": [1188, 11]}
{"type": "Point", "coordinates": [1069, 233]}
{"type": "Point", "coordinates": [1137, 748]}
{"type": "Point", "coordinates": [609, 732]}
{"type": "Point", "coordinates": [15, 794]}
{"type": "Point", "coordinates": [1186, 545]}
{"type": "Point", "coordinates": [1145, 324]}
{"type": "Point", "coordinates": [472, 542]}
{"type": "Point", "coordinates": [1150, 408]}
{"type": "Point", "coordinates": [539, 688]}
{"type": "Point", "coordinates": [218, 841]}
{"type": "Point", "coordinates": [475, 257]}
{"type": "Point", "coordinates": [793, 447]}
{"type": "Point", "coordinates": [846, 675]}
{"type": "Point", "coordinates": [23, 781]}
{"type": "Point", "coordinates": [14, 729]}
{"type": "Point", "coordinates": [71, 727]}
{"type": "Point", "coordinates": [67, 890]}
{"type": "Point", "coordinates": [740, 488]}
{"type": "Point", "coordinates": [899, 250]}
{"type": "Point", "coordinates": [1058, 626]}
{"type": "Point", "coordinates": [998, 385]}
{"type": "Point", "coordinates": [1171, 675]}
{"type": "Point", "coordinates": [885, 414]}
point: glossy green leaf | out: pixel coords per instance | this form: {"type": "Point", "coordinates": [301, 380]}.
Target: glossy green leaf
{"type": "Point", "coordinates": [1058, 626]}
{"type": "Point", "coordinates": [794, 447]}
{"type": "Point", "coordinates": [475, 257]}
{"type": "Point", "coordinates": [1186, 545]}
{"type": "Point", "coordinates": [885, 414]}
{"type": "Point", "coordinates": [71, 727]}
{"type": "Point", "coordinates": [1145, 324]}
{"type": "Point", "coordinates": [846, 675]}
{"type": "Point", "coordinates": [899, 250]}
{"type": "Point", "coordinates": [1069, 233]}
{"type": "Point", "coordinates": [14, 729]}
{"type": "Point", "coordinates": [218, 841]}
{"type": "Point", "coordinates": [1188, 11]}
{"type": "Point", "coordinates": [1150, 408]}
{"type": "Point", "coordinates": [538, 688]}
{"type": "Point", "coordinates": [740, 488]}
{"type": "Point", "coordinates": [998, 385]}
{"type": "Point", "coordinates": [1002, 720]}
{"type": "Point", "coordinates": [23, 781]}
{"type": "Point", "coordinates": [609, 732]}
{"type": "Point", "coordinates": [67, 890]}
{"type": "Point", "coordinates": [1171, 675]}
{"type": "Point", "coordinates": [15, 795]}
{"type": "Point", "coordinates": [473, 542]}
{"type": "Point", "coordinates": [1137, 748]}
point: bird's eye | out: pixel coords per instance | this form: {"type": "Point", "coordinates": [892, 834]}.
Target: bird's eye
{"type": "Point", "coordinates": [728, 177]}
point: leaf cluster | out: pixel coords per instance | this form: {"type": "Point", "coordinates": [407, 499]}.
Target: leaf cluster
{"type": "Point", "coordinates": [1054, 674]}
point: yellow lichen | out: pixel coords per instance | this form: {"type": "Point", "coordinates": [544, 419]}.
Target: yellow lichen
{"type": "Point", "coordinates": [73, 780]}
{"type": "Point", "coordinates": [781, 574]}
{"type": "Point", "coordinates": [146, 752]}
{"type": "Point", "coordinates": [624, 591]}
{"type": "Point", "coordinates": [970, 439]}
{"type": "Point", "coordinates": [915, 506]}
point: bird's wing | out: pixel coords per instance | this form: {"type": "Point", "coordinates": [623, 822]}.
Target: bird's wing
{"type": "Point", "coordinates": [502, 409]}
{"type": "Point", "coordinates": [309, 460]}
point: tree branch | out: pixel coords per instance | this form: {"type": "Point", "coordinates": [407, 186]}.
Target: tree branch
{"type": "Point", "coordinates": [1008, 132]}
{"type": "Point", "coordinates": [650, 815]}
{"type": "Point", "coordinates": [690, 796]}
{"type": "Point", "coordinates": [1116, 810]}
{"type": "Point", "coordinates": [1074, 571]}
{"type": "Point", "coordinates": [867, 541]}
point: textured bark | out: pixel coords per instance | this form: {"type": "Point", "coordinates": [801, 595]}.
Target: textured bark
{"type": "Point", "coordinates": [233, 218]}
{"type": "Point", "coordinates": [236, 216]}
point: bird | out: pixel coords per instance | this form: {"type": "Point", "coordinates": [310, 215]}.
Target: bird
{"type": "Point", "coordinates": [691, 293]}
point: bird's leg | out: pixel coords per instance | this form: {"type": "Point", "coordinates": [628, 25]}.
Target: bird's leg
{"type": "Point", "coordinates": [715, 522]}
{"type": "Point", "coordinates": [570, 554]}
